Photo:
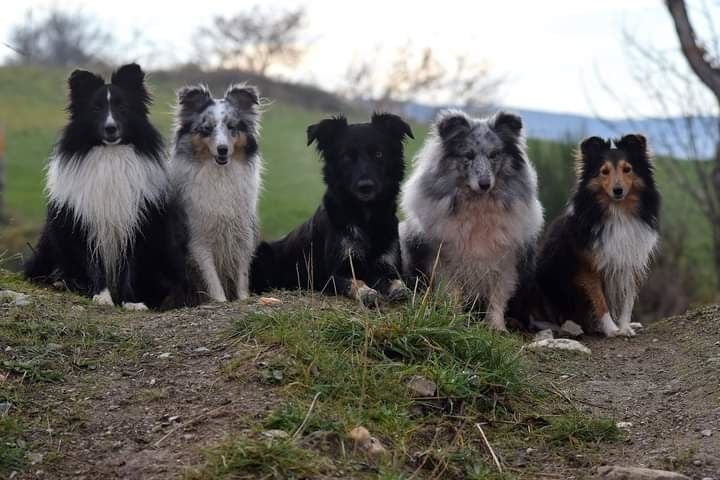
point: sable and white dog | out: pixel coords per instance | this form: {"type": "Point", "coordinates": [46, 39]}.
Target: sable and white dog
{"type": "Point", "coordinates": [472, 210]}
{"type": "Point", "coordinates": [215, 171]}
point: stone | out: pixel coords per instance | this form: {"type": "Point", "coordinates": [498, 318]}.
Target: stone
{"type": "Point", "coordinates": [201, 350]}
{"type": "Point", "coordinates": [624, 425]}
{"type": "Point", "coordinates": [14, 298]}
{"type": "Point", "coordinates": [269, 301]}
{"type": "Point", "coordinates": [5, 407]}
{"type": "Point", "coordinates": [276, 434]}
{"type": "Point", "coordinates": [559, 344]}
{"type": "Point", "coordinates": [546, 334]}
{"type": "Point", "coordinates": [571, 329]}
{"type": "Point", "coordinates": [706, 433]}
{"type": "Point", "coordinates": [636, 473]}
{"type": "Point", "coordinates": [421, 386]}
{"type": "Point", "coordinates": [164, 355]}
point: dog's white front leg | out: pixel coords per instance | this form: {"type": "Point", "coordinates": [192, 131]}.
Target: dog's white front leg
{"type": "Point", "coordinates": [500, 294]}
{"type": "Point", "coordinates": [204, 260]}
{"type": "Point", "coordinates": [628, 302]}
{"type": "Point", "coordinates": [103, 298]}
{"type": "Point", "coordinates": [242, 282]}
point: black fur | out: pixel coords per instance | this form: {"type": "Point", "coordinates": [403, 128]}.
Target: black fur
{"type": "Point", "coordinates": [363, 167]}
{"type": "Point", "coordinates": [570, 237]}
{"type": "Point", "coordinates": [153, 264]}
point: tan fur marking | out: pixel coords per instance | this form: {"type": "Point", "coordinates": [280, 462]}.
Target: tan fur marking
{"type": "Point", "coordinates": [201, 147]}
{"type": "Point", "coordinates": [591, 282]}
{"type": "Point", "coordinates": [240, 141]}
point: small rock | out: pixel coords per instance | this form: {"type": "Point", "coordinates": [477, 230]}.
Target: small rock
{"type": "Point", "coordinates": [269, 301]}
{"type": "Point", "coordinates": [174, 418]}
{"type": "Point", "coordinates": [421, 386]}
{"type": "Point", "coordinates": [5, 407]}
{"type": "Point", "coordinates": [35, 458]}
{"type": "Point", "coordinates": [164, 355]}
{"type": "Point", "coordinates": [546, 334]}
{"type": "Point", "coordinates": [276, 434]}
{"type": "Point", "coordinates": [624, 424]}
{"type": "Point", "coordinates": [559, 344]}
{"type": "Point", "coordinates": [706, 433]}
{"type": "Point", "coordinates": [201, 350]}
{"type": "Point", "coordinates": [571, 329]}
{"type": "Point", "coordinates": [359, 434]}
{"type": "Point", "coordinates": [636, 473]}
{"type": "Point", "coordinates": [189, 436]}
{"type": "Point", "coordinates": [697, 463]}
{"type": "Point", "coordinates": [564, 377]}
{"type": "Point", "coordinates": [14, 298]}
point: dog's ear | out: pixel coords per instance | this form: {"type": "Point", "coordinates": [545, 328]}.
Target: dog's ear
{"type": "Point", "coordinates": [507, 123]}
{"type": "Point", "coordinates": [326, 130]}
{"type": "Point", "coordinates": [451, 123]}
{"type": "Point", "coordinates": [82, 83]}
{"type": "Point", "coordinates": [244, 97]}
{"type": "Point", "coordinates": [593, 146]}
{"type": "Point", "coordinates": [634, 143]}
{"type": "Point", "coordinates": [393, 124]}
{"type": "Point", "coordinates": [129, 76]}
{"type": "Point", "coordinates": [193, 99]}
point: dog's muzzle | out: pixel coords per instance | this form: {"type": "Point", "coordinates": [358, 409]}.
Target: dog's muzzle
{"type": "Point", "coordinates": [365, 190]}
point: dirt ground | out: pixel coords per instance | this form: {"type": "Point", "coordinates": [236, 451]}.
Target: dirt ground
{"type": "Point", "coordinates": [149, 416]}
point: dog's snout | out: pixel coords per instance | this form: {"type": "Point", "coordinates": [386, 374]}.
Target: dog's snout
{"type": "Point", "coordinates": [222, 150]}
{"type": "Point", "coordinates": [484, 184]}
{"type": "Point", "coordinates": [365, 186]}
{"type": "Point", "coordinates": [111, 129]}
{"type": "Point", "coordinates": [618, 191]}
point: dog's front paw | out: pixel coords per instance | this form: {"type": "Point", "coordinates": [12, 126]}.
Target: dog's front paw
{"type": "Point", "coordinates": [137, 307]}
{"type": "Point", "coordinates": [608, 327]}
{"type": "Point", "coordinates": [626, 331]}
{"type": "Point", "coordinates": [398, 292]}
{"type": "Point", "coordinates": [368, 296]}
{"type": "Point", "coordinates": [636, 325]}
{"type": "Point", "coordinates": [103, 298]}
{"type": "Point", "coordinates": [497, 324]}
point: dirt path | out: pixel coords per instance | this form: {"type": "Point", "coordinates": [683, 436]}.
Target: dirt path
{"type": "Point", "coordinates": [665, 383]}
{"type": "Point", "coordinates": [149, 418]}
{"type": "Point", "coordinates": [149, 415]}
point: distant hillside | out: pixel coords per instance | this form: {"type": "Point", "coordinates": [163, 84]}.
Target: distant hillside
{"type": "Point", "coordinates": [562, 127]}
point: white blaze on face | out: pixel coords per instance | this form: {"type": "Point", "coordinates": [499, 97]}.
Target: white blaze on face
{"type": "Point", "coordinates": [109, 121]}
{"type": "Point", "coordinates": [221, 134]}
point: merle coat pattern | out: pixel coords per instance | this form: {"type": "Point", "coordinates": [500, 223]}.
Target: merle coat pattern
{"type": "Point", "coordinates": [350, 245]}
{"type": "Point", "coordinates": [107, 229]}
{"type": "Point", "coordinates": [473, 214]}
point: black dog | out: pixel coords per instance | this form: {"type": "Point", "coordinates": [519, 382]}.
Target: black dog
{"type": "Point", "coordinates": [106, 233]}
{"type": "Point", "coordinates": [350, 245]}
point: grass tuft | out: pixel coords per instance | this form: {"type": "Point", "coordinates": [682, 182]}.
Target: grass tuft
{"type": "Point", "coordinates": [577, 428]}
{"type": "Point", "coordinates": [269, 459]}
{"type": "Point", "coordinates": [12, 456]}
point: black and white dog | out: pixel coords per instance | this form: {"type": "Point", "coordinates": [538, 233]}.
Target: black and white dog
{"type": "Point", "coordinates": [473, 214]}
{"type": "Point", "coordinates": [350, 245]}
{"type": "Point", "coordinates": [106, 232]}
{"type": "Point", "coordinates": [215, 171]}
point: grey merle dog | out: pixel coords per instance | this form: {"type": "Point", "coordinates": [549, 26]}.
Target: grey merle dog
{"type": "Point", "coordinates": [473, 214]}
{"type": "Point", "coordinates": [215, 171]}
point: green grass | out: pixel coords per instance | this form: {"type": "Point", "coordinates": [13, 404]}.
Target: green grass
{"type": "Point", "coordinates": [576, 428]}
{"type": "Point", "coordinates": [12, 456]}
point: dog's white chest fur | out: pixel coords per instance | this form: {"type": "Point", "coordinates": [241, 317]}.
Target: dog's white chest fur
{"type": "Point", "coordinates": [625, 244]}
{"type": "Point", "coordinates": [622, 253]}
{"type": "Point", "coordinates": [108, 192]}
{"type": "Point", "coordinates": [221, 206]}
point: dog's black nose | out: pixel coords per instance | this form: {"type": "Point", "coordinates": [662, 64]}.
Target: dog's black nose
{"type": "Point", "coordinates": [484, 185]}
{"type": "Point", "coordinates": [222, 150]}
{"type": "Point", "coordinates": [618, 191]}
{"type": "Point", "coordinates": [365, 186]}
{"type": "Point", "coordinates": [110, 129]}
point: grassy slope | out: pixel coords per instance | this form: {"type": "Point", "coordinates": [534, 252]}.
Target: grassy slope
{"type": "Point", "coordinates": [31, 108]}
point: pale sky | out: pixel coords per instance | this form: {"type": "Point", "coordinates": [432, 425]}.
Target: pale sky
{"type": "Point", "coordinates": [550, 52]}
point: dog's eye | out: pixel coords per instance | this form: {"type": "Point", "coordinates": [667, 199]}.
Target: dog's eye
{"type": "Point", "coordinates": [204, 131]}
{"type": "Point", "coordinates": [605, 171]}
{"type": "Point", "coordinates": [627, 169]}
{"type": "Point", "coordinates": [470, 155]}
{"type": "Point", "coordinates": [378, 154]}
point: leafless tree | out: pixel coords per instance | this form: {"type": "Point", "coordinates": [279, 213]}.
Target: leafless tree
{"type": "Point", "coordinates": [419, 74]}
{"type": "Point", "coordinates": [684, 89]}
{"type": "Point", "coordinates": [255, 40]}
{"type": "Point", "coordinates": [58, 38]}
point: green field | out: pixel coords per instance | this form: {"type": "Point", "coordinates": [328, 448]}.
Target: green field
{"type": "Point", "coordinates": [31, 109]}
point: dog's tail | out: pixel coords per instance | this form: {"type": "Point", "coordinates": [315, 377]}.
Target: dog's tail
{"type": "Point", "coordinates": [263, 264]}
